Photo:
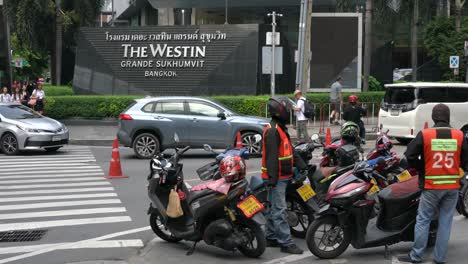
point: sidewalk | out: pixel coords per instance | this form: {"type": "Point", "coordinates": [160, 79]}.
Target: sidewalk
{"type": "Point", "coordinates": [103, 132]}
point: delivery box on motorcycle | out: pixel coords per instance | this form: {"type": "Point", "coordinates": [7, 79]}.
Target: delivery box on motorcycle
{"type": "Point", "coordinates": [347, 155]}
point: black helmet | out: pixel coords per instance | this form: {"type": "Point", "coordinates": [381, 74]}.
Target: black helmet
{"type": "Point", "coordinates": [279, 108]}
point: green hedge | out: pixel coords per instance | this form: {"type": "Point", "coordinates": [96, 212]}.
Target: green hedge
{"type": "Point", "coordinates": [51, 90]}
{"type": "Point", "coordinates": [98, 107]}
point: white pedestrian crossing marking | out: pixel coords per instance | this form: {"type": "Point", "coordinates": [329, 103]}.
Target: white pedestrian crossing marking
{"type": "Point", "coordinates": [63, 213]}
{"type": "Point", "coordinates": [96, 183]}
{"type": "Point", "coordinates": [58, 204]}
{"type": "Point", "coordinates": [51, 171]}
{"type": "Point", "coordinates": [57, 197]}
{"type": "Point", "coordinates": [47, 175]}
{"type": "Point", "coordinates": [52, 180]}
{"type": "Point", "coordinates": [51, 191]}
{"type": "Point", "coordinates": [47, 168]}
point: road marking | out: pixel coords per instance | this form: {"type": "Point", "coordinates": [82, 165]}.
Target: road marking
{"type": "Point", "coordinates": [44, 164]}
{"type": "Point", "coordinates": [58, 204]}
{"type": "Point", "coordinates": [96, 183]}
{"type": "Point", "coordinates": [63, 213]}
{"type": "Point", "coordinates": [459, 217]}
{"type": "Point", "coordinates": [50, 167]}
{"type": "Point", "coordinates": [57, 197]}
{"type": "Point", "coordinates": [288, 259]}
{"type": "Point", "coordinates": [53, 172]}
{"type": "Point", "coordinates": [50, 191]}
{"type": "Point", "coordinates": [47, 157]}
{"type": "Point", "coordinates": [48, 161]}
{"type": "Point", "coordinates": [47, 175]}
{"type": "Point", "coordinates": [90, 244]}
{"type": "Point", "coordinates": [53, 248]}
{"type": "Point", "coordinates": [72, 179]}
{"type": "Point", "coordinates": [70, 222]}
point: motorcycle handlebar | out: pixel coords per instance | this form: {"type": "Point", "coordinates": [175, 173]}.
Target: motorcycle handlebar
{"type": "Point", "coordinates": [182, 151]}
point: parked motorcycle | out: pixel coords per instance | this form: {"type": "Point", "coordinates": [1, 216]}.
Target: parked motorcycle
{"type": "Point", "coordinates": [348, 216]}
{"type": "Point", "coordinates": [228, 221]}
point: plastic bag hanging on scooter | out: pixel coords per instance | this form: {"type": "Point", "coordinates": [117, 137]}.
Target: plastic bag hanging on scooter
{"type": "Point", "coordinates": [174, 209]}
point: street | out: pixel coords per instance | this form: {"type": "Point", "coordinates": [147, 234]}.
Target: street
{"type": "Point", "coordinates": [86, 217]}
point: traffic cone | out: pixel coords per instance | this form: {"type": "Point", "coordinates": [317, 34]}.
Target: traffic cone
{"type": "Point", "coordinates": [115, 168]}
{"type": "Point", "coordinates": [238, 141]}
{"type": "Point", "coordinates": [426, 126]}
{"type": "Point", "coordinates": [328, 138]}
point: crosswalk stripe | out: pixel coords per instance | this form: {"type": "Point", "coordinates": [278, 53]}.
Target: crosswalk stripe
{"type": "Point", "coordinates": [57, 197]}
{"type": "Point", "coordinates": [63, 213]}
{"type": "Point", "coordinates": [58, 204]}
{"type": "Point", "coordinates": [44, 164]}
{"type": "Point", "coordinates": [51, 171]}
{"type": "Point", "coordinates": [70, 222]}
{"type": "Point", "coordinates": [52, 175]}
{"type": "Point", "coordinates": [90, 244]}
{"type": "Point", "coordinates": [96, 183]}
{"type": "Point", "coordinates": [47, 157]}
{"type": "Point", "coordinates": [50, 191]}
{"type": "Point", "coordinates": [71, 179]}
{"type": "Point", "coordinates": [50, 167]}
{"type": "Point", "coordinates": [51, 161]}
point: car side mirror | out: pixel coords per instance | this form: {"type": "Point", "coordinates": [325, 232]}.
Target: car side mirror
{"type": "Point", "coordinates": [222, 115]}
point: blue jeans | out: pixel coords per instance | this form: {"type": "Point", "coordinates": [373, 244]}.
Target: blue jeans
{"type": "Point", "coordinates": [277, 225]}
{"type": "Point", "coordinates": [431, 202]}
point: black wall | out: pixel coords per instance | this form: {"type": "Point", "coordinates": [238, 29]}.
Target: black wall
{"type": "Point", "coordinates": [230, 63]}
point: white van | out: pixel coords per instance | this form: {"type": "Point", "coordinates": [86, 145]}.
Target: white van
{"type": "Point", "coordinates": [407, 106]}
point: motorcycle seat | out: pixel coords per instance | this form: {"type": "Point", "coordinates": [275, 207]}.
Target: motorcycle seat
{"type": "Point", "coordinates": [399, 195]}
{"type": "Point", "coordinates": [194, 195]}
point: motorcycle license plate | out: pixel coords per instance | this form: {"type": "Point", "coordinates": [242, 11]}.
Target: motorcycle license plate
{"type": "Point", "coordinates": [404, 176]}
{"type": "Point", "coordinates": [306, 192]}
{"type": "Point", "coordinates": [250, 206]}
{"type": "Point", "coordinates": [374, 188]}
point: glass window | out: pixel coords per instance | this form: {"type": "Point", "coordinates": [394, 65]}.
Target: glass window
{"type": "Point", "coordinates": [433, 95]}
{"type": "Point", "coordinates": [151, 16]}
{"type": "Point", "coordinates": [175, 108]}
{"type": "Point", "coordinates": [18, 112]}
{"type": "Point", "coordinates": [182, 16]}
{"type": "Point", "coordinates": [198, 108]}
{"type": "Point", "coordinates": [148, 108]}
{"type": "Point", "coordinates": [457, 95]}
{"type": "Point", "coordinates": [399, 95]}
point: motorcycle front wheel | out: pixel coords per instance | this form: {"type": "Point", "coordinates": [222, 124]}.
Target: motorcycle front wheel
{"type": "Point", "coordinates": [462, 205]}
{"type": "Point", "coordinates": [256, 244]}
{"type": "Point", "coordinates": [326, 239]}
{"type": "Point", "coordinates": [160, 230]}
{"type": "Point", "coordinates": [299, 216]}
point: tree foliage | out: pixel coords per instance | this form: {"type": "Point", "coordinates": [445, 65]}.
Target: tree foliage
{"type": "Point", "coordinates": [442, 41]}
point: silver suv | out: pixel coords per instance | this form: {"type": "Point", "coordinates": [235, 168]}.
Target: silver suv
{"type": "Point", "coordinates": [150, 125]}
{"type": "Point", "coordinates": [23, 129]}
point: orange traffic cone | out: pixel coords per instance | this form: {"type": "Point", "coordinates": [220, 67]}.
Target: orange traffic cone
{"type": "Point", "coordinates": [328, 138]}
{"type": "Point", "coordinates": [115, 169]}
{"type": "Point", "coordinates": [238, 141]}
{"type": "Point", "coordinates": [426, 126]}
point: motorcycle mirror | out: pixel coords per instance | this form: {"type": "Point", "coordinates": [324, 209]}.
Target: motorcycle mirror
{"type": "Point", "coordinates": [258, 138]}
{"type": "Point", "coordinates": [176, 138]}
{"type": "Point", "coordinates": [315, 138]}
{"type": "Point", "coordinates": [207, 148]}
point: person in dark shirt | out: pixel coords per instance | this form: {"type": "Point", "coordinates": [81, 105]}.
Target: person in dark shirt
{"type": "Point", "coordinates": [278, 160]}
{"type": "Point", "coordinates": [354, 112]}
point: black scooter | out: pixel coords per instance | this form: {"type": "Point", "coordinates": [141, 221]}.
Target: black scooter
{"type": "Point", "coordinates": [229, 221]}
{"type": "Point", "coordinates": [349, 216]}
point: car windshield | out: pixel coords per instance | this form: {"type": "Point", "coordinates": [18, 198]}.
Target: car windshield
{"type": "Point", "coordinates": [400, 95]}
{"type": "Point", "coordinates": [17, 112]}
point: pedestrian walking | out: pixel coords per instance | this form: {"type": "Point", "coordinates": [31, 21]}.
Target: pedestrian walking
{"type": "Point", "coordinates": [16, 96]}
{"type": "Point", "coordinates": [5, 97]}
{"type": "Point", "coordinates": [24, 95]}
{"type": "Point", "coordinates": [301, 119]}
{"type": "Point", "coordinates": [277, 171]}
{"type": "Point", "coordinates": [354, 113]}
{"type": "Point", "coordinates": [39, 94]}
{"type": "Point", "coordinates": [336, 100]}
{"type": "Point", "coordinates": [438, 153]}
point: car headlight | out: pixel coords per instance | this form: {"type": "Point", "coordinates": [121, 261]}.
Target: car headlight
{"type": "Point", "coordinates": [64, 127]}
{"type": "Point", "coordinates": [29, 130]}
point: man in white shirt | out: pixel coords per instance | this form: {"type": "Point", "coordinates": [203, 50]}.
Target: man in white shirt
{"type": "Point", "coordinates": [301, 124]}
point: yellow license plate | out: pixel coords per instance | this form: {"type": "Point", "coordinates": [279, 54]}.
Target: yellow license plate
{"type": "Point", "coordinates": [250, 206]}
{"type": "Point", "coordinates": [404, 176]}
{"type": "Point", "coordinates": [306, 192]}
{"type": "Point", "coordinates": [374, 188]}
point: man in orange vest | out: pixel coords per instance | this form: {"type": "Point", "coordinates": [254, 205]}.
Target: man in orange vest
{"type": "Point", "coordinates": [277, 171]}
{"type": "Point", "coordinates": [438, 153]}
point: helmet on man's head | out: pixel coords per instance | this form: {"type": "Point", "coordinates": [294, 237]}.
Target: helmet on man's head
{"type": "Point", "coordinates": [349, 130]}
{"type": "Point", "coordinates": [353, 99]}
{"type": "Point", "coordinates": [232, 168]}
{"type": "Point", "coordinates": [279, 108]}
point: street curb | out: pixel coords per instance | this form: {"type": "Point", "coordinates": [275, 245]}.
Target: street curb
{"type": "Point", "coordinates": [91, 142]}
{"type": "Point", "coordinates": [90, 122]}
{"type": "Point", "coordinates": [100, 262]}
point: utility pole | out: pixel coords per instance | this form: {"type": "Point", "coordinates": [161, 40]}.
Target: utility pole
{"type": "Point", "coordinates": [414, 41]}
{"type": "Point", "coordinates": [273, 46]}
{"type": "Point", "coordinates": [367, 45]}
{"type": "Point", "coordinates": [6, 24]}
{"type": "Point", "coordinates": [58, 43]}
{"type": "Point", "coordinates": [303, 46]}
{"type": "Point", "coordinates": [226, 21]}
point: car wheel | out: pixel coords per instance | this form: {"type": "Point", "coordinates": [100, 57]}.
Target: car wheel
{"type": "Point", "coordinates": [248, 142]}
{"type": "Point", "coordinates": [9, 144]}
{"type": "Point", "coordinates": [145, 146]}
{"type": "Point", "coordinates": [52, 149]}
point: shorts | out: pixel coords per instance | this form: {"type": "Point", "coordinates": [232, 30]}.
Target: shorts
{"type": "Point", "coordinates": [335, 106]}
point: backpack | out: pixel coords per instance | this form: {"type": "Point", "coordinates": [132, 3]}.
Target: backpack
{"type": "Point", "coordinates": [309, 110]}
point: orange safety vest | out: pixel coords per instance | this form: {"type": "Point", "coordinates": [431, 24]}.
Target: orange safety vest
{"type": "Point", "coordinates": [285, 155]}
{"type": "Point", "coordinates": [442, 159]}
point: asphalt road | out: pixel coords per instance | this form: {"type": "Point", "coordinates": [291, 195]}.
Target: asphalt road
{"type": "Point", "coordinates": [119, 242]}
